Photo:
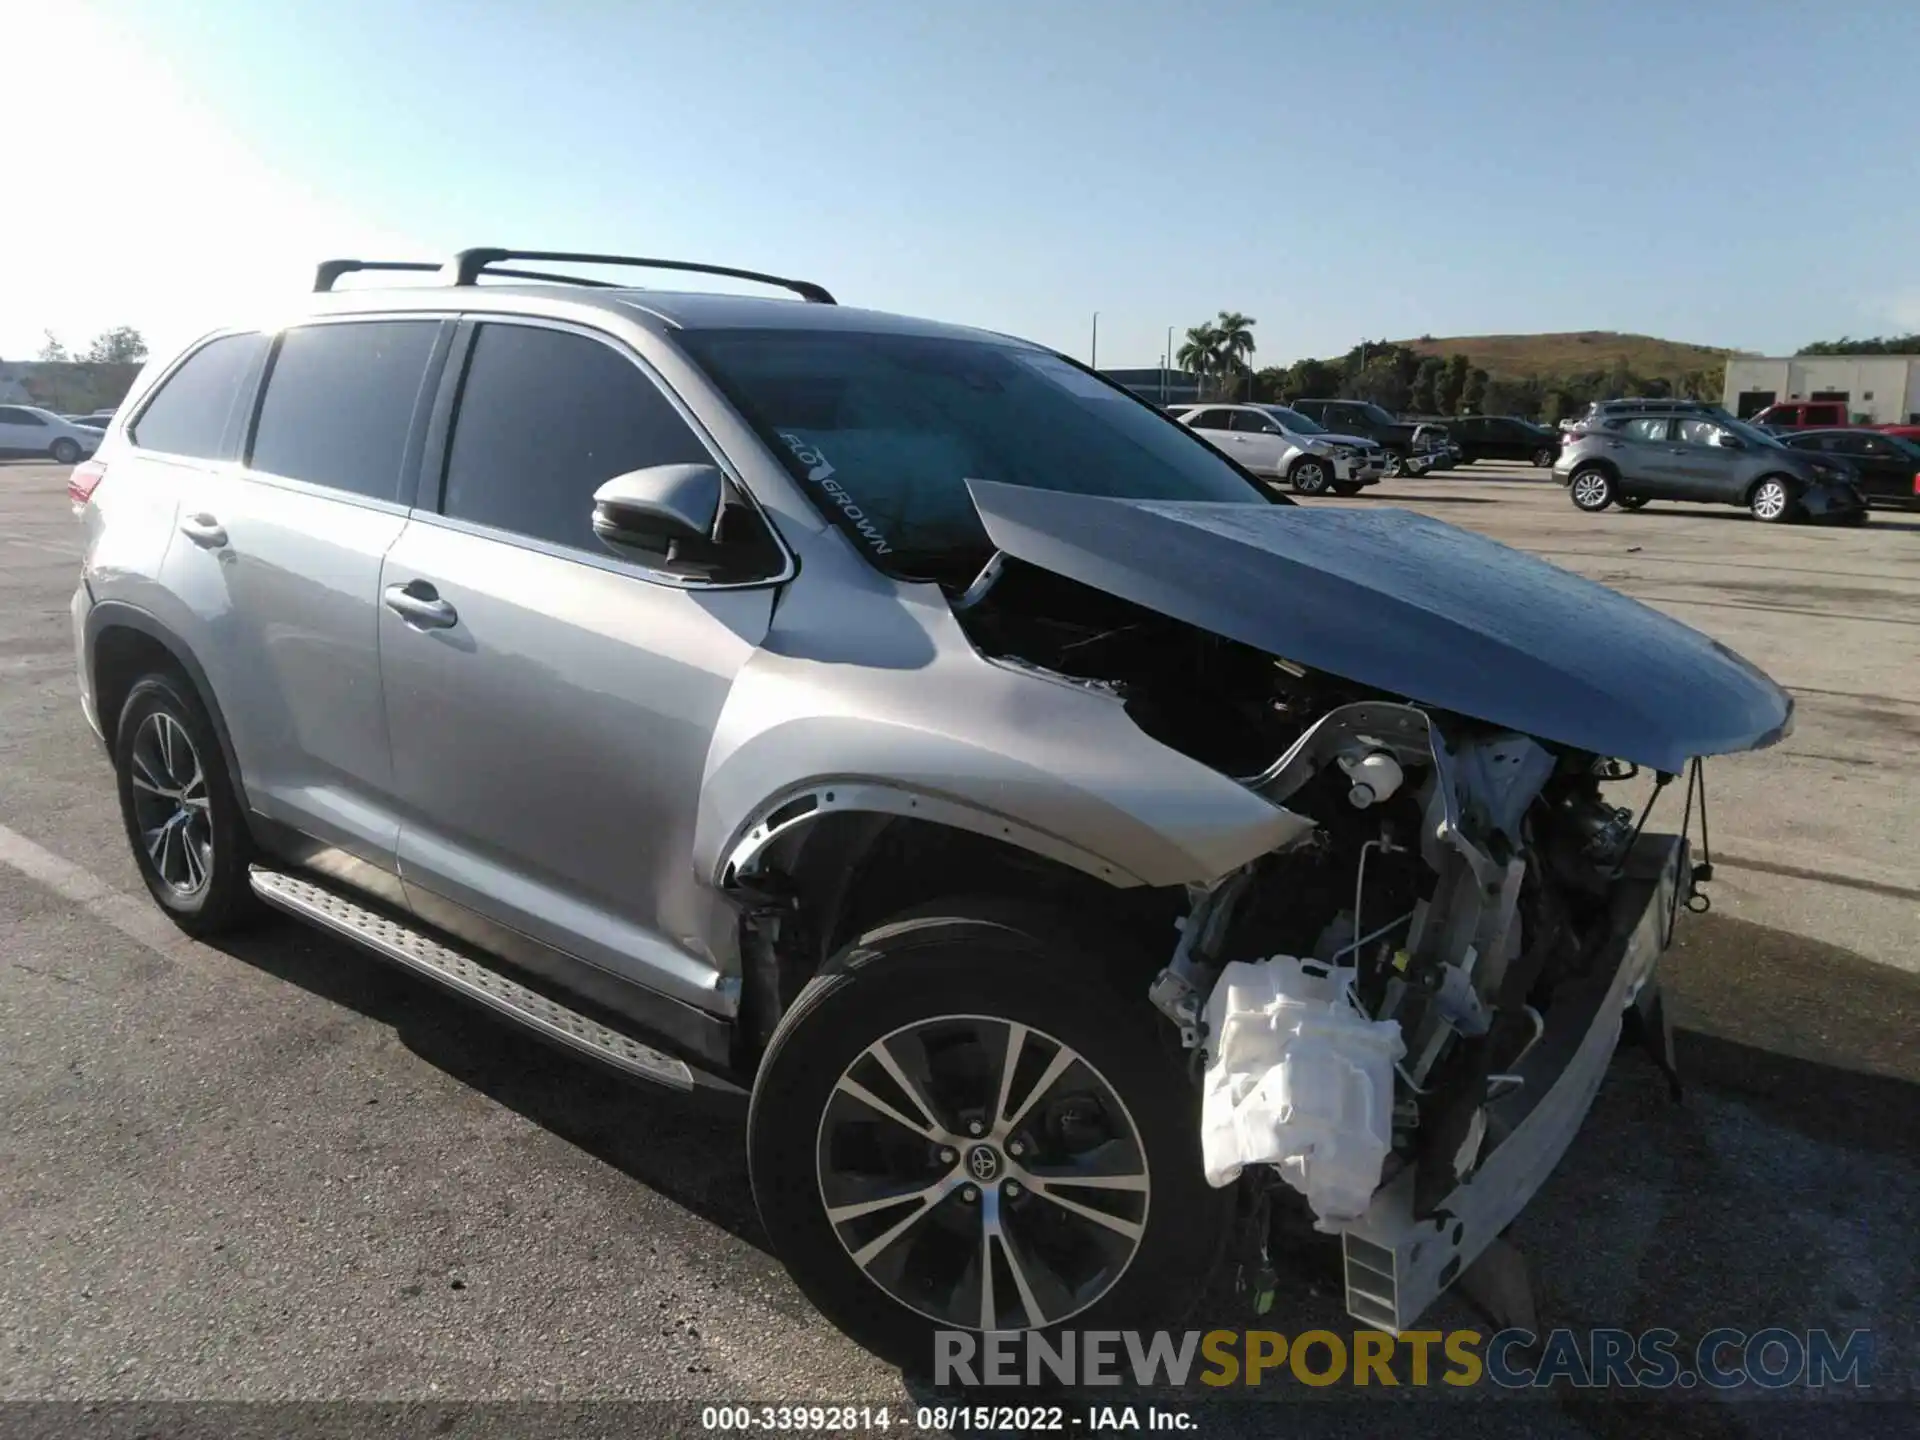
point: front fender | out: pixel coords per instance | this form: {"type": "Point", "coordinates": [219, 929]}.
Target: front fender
{"type": "Point", "coordinates": [1052, 765]}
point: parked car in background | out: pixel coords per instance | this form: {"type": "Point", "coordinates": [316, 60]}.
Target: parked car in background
{"type": "Point", "coordinates": [1629, 460]}
{"type": "Point", "coordinates": [1888, 465]}
{"type": "Point", "coordinates": [1276, 441]}
{"type": "Point", "coordinates": [1803, 415]}
{"type": "Point", "coordinates": [1411, 449]}
{"type": "Point", "coordinates": [96, 420]}
{"type": "Point", "coordinates": [1503, 437]}
{"type": "Point", "coordinates": [29, 430]}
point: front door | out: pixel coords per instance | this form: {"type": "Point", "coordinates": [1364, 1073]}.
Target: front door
{"type": "Point", "coordinates": [551, 701]}
{"type": "Point", "coordinates": [1706, 468]}
{"type": "Point", "coordinates": [1257, 441]}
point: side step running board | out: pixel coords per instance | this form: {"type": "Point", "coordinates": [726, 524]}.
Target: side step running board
{"type": "Point", "coordinates": [398, 942]}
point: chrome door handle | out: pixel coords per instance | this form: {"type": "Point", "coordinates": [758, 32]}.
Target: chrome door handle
{"type": "Point", "coordinates": [204, 531]}
{"type": "Point", "coordinates": [419, 604]}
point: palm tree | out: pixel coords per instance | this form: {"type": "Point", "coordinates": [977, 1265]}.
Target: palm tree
{"type": "Point", "coordinates": [1235, 332]}
{"type": "Point", "coordinates": [1203, 352]}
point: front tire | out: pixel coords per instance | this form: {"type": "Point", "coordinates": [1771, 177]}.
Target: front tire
{"type": "Point", "coordinates": [1772, 500]}
{"type": "Point", "coordinates": [65, 451]}
{"type": "Point", "coordinates": [1310, 476]}
{"type": "Point", "coordinates": [183, 820]}
{"type": "Point", "coordinates": [1592, 489]}
{"type": "Point", "coordinates": [1005, 1133]}
{"type": "Point", "coordinates": [1347, 487]}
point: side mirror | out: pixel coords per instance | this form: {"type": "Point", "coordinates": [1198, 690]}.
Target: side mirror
{"type": "Point", "coordinates": [651, 509]}
{"type": "Point", "coordinates": [1729, 442]}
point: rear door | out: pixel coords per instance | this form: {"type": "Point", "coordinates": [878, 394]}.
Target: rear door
{"type": "Point", "coordinates": [550, 724]}
{"type": "Point", "coordinates": [1215, 425]}
{"type": "Point", "coordinates": [279, 558]}
{"type": "Point", "coordinates": [1641, 446]}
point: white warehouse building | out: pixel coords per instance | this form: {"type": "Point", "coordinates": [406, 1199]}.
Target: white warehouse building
{"type": "Point", "coordinates": [1877, 389]}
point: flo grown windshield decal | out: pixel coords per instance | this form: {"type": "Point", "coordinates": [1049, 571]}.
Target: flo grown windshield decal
{"type": "Point", "coordinates": [820, 472]}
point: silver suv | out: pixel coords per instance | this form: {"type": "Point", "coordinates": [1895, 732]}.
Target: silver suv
{"type": "Point", "coordinates": [906, 724]}
{"type": "Point", "coordinates": [1708, 457]}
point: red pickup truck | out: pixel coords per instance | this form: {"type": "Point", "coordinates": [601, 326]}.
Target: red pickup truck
{"type": "Point", "coordinates": [1804, 415]}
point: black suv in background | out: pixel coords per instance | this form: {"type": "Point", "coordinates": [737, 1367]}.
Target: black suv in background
{"type": "Point", "coordinates": [1503, 437]}
{"type": "Point", "coordinates": [1888, 466]}
{"type": "Point", "coordinates": [1411, 449]}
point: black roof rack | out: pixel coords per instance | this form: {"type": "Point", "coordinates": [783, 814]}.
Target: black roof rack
{"type": "Point", "coordinates": [469, 265]}
{"type": "Point", "coordinates": [331, 270]}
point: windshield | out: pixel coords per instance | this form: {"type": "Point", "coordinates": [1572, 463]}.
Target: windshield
{"type": "Point", "coordinates": [1293, 420]}
{"type": "Point", "coordinates": [1378, 416]}
{"type": "Point", "coordinates": [1752, 434]}
{"type": "Point", "coordinates": [884, 431]}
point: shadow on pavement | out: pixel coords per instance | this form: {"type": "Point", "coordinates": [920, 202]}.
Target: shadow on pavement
{"type": "Point", "coordinates": [1784, 1189]}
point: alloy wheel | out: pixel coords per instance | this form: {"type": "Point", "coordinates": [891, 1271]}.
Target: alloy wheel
{"type": "Point", "coordinates": [1770, 500]}
{"type": "Point", "coordinates": [982, 1173]}
{"type": "Point", "coordinates": [170, 805]}
{"type": "Point", "coordinates": [1310, 477]}
{"type": "Point", "coordinates": [1590, 491]}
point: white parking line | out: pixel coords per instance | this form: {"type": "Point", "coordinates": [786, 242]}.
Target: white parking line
{"type": "Point", "coordinates": [134, 917]}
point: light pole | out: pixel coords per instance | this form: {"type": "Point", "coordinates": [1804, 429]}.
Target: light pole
{"type": "Point", "coordinates": [1093, 355]}
{"type": "Point", "coordinates": [1166, 364]}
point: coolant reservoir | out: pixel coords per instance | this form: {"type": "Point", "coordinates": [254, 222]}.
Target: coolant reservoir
{"type": "Point", "coordinates": [1298, 1078]}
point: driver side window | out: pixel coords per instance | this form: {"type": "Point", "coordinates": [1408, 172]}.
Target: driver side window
{"type": "Point", "coordinates": [1252, 422]}
{"type": "Point", "coordinates": [1699, 432]}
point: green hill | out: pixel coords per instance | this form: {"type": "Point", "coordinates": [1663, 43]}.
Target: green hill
{"type": "Point", "coordinates": [1515, 357]}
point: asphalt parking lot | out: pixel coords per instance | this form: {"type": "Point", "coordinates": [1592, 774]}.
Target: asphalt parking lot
{"type": "Point", "coordinates": [279, 1169]}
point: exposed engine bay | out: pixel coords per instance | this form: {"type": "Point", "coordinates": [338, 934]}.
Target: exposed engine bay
{"type": "Point", "coordinates": [1354, 1002]}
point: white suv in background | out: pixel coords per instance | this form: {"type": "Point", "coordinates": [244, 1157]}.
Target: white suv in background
{"type": "Point", "coordinates": [29, 430]}
{"type": "Point", "coordinates": [1274, 440]}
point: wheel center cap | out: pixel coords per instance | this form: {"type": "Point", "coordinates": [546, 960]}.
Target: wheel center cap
{"type": "Point", "coordinates": [983, 1163]}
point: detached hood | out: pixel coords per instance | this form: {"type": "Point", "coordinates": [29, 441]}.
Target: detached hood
{"type": "Point", "coordinates": [1411, 606]}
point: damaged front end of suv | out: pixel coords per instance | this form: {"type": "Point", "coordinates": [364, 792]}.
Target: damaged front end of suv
{"type": "Point", "coordinates": [1123, 849]}
{"type": "Point", "coordinates": [1405, 1011]}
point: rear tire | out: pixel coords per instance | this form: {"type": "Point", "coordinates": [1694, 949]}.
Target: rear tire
{"type": "Point", "coordinates": [1592, 489]}
{"type": "Point", "coordinates": [1773, 500]}
{"type": "Point", "coordinates": [183, 820]}
{"type": "Point", "coordinates": [1347, 487]}
{"type": "Point", "coordinates": [65, 451]}
{"type": "Point", "coordinates": [1310, 475]}
{"type": "Point", "coordinates": [942, 996]}
{"type": "Point", "coordinates": [1543, 458]}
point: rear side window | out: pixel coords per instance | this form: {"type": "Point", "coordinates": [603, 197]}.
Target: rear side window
{"type": "Point", "coordinates": [547, 417]}
{"type": "Point", "coordinates": [192, 411]}
{"type": "Point", "coordinates": [340, 402]}
{"type": "Point", "coordinates": [1212, 420]}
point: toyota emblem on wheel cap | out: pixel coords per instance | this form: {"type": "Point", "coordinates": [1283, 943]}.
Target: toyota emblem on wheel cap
{"type": "Point", "coordinates": [983, 1162]}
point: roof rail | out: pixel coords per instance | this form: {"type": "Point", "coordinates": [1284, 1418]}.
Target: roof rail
{"type": "Point", "coordinates": [329, 271]}
{"type": "Point", "coordinates": [469, 265]}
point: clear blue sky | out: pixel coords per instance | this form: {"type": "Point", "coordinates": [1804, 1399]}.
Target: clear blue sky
{"type": "Point", "coordinates": [1739, 174]}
